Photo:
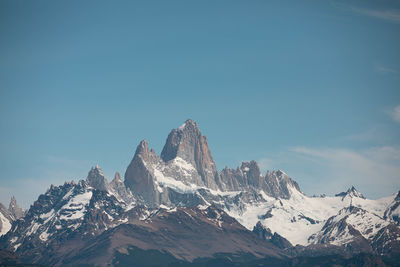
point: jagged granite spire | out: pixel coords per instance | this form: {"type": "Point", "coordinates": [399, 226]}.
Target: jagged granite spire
{"type": "Point", "coordinates": [139, 176]}
{"type": "Point", "coordinates": [187, 143]}
{"type": "Point", "coordinates": [117, 178]}
{"type": "Point", "coordinates": [279, 184]}
{"type": "Point", "coordinates": [118, 187]}
{"type": "Point", "coordinates": [96, 179]}
{"type": "Point", "coordinates": [253, 174]}
{"type": "Point", "coordinates": [14, 209]}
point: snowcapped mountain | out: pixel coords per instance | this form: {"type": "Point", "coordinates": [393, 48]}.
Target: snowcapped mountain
{"type": "Point", "coordinates": [5, 220]}
{"type": "Point", "coordinates": [8, 216]}
{"type": "Point", "coordinates": [166, 202]}
{"type": "Point", "coordinates": [353, 192]}
{"type": "Point", "coordinates": [392, 212]}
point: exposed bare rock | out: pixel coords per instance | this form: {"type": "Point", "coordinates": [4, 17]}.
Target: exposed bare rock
{"type": "Point", "coordinates": [118, 188]}
{"type": "Point", "coordinates": [187, 143]}
{"type": "Point", "coordinates": [96, 179]}
{"type": "Point", "coordinates": [279, 184]}
{"type": "Point", "coordinates": [139, 176]}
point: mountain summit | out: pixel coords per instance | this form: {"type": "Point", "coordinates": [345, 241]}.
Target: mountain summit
{"type": "Point", "coordinates": [188, 144]}
{"type": "Point", "coordinates": [14, 209]}
{"type": "Point", "coordinates": [351, 192]}
{"type": "Point", "coordinates": [96, 178]}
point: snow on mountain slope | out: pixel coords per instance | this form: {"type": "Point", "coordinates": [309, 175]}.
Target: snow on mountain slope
{"type": "Point", "coordinates": [5, 224]}
{"type": "Point", "coordinates": [301, 216]}
{"type": "Point", "coordinates": [8, 216]}
{"type": "Point", "coordinates": [349, 223]}
{"type": "Point", "coordinates": [175, 179]}
{"type": "Point", "coordinates": [66, 211]}
{"type": "Point", "coordinates": [392, 211]}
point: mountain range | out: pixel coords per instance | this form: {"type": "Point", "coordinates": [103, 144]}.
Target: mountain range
{"type": "Point", "coordinates": [177, 208]}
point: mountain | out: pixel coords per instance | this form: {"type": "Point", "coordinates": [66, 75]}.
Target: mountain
{"type": "Point", "coordinates": [392, 212]}
{"type": "Point", "coordinates": [96, 179]}
{"type": "Point", "coordinates": [188, 144]}
{"type": "Point", "coordinates": [177, 208]}
{"type": "Point", "coordinates": [8, 216]}
{"type": "Point", "coordinates": [5, 220]}
{"type": "Point", "coordinates": [351, 192]}
{"type": "Point", "coordinates": [186, 170]}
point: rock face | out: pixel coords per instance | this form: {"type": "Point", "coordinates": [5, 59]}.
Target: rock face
{"type": "Point", "coordinates": [187, 143]}
{"type": "Point", "coordinates": [118, 188]}
{"type": "Point", "coordinates": [15, 210]}
{"type": "Point", "coordinates": [266, 234]}
{"type": "Point", "coordinates": [139, 176]}
{"type": "Point", "coordinates": [96, 179]}
{"type": "Point", "coordinates": [280, 185]}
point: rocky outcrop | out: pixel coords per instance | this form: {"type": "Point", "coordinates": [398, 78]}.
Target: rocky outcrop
{"type": "Point", "coordinates": [265, 233]}
{"type": "Point", "coordinates": [187, 143]}
{"type": "Point", "coordinates": [139, 176]}
{"type": "Point", "coordinates": [118, 188]}
{"type": "Point", "coordinates": [15, 210]}
{"type": "Point", "coordinates": [96, 179]}
{"type": "Point", "coordinates": [276, 184]}
{"type": "Point", "coordinates": [279, 184]}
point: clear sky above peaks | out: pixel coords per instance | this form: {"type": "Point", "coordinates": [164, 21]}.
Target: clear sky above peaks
{"type": "Point", "coordinates": [309, 87]}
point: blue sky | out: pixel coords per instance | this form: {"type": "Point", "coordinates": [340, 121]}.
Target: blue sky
{"type": "Point", "coordinates": [311, 88]}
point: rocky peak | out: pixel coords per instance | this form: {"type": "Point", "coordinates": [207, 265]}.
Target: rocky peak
{"type": "Point", "coordinates": [139, 176]}
{"type": "Point", "coordinates": [351, 192]}
{"type": "Point", "coordinates": [117, 178]}
{"type": "Point", "coordinates": [253, 174]}
{"type": "Point", "coordinates": [265, 233]}
{"type": "Point", "coordinates": [187, 143]}
{"type": "Point", "coordinates": [189, 124]}
{"type": "Point", "coordinates": [142, 150]}
{"type": "Point", "coordinates": [279, 184]}
{"type": "Point", "coordinates": [261, 231]}
{"type": "Point", "coordinates": [14, 209]}
{"type": "Point", "coordinates": [118, 188]}
{"type": "Point", "coordinates": [183, 142]}
{"type": "Point", "coordinates": [96, 179]}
